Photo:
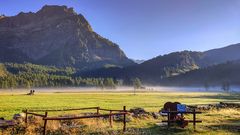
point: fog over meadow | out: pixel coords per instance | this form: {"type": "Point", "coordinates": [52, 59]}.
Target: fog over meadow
{"type": "Point", "coordinates": [129, 89]}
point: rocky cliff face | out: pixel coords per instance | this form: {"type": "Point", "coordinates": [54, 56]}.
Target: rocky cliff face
{"type": "Point", "coordinates": [56, 35]}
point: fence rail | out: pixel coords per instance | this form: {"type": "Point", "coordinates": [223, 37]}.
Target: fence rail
{"type": "Point", "coordinates": [82, 117]}
{"type": "Point", "coordinates": [35, 114]}
{"type": "Point", "coordinates": [194, 121]}
{"type": "Point", "coordinates": [110, 110]}
{"type": "Point", "coordinates": [68, 109]}
{"type": "Point", "coordinates": [45, 116]}
{"type": "Point", "coordinates": [187, 112]}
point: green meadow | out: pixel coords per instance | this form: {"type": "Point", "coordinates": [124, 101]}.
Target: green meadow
{"type": "Point", "coordinates": [214, 121]}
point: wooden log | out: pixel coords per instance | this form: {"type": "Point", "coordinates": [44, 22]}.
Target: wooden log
{"type": "Point", "coordinates": [45, 124]}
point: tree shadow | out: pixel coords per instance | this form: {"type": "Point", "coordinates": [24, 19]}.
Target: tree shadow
{"type": "Point", "coordinates": [225, 127]}
{"type": "Point", "coordinates": [163, 130]}
{"type": "Point", "coordinates": [229, 97]}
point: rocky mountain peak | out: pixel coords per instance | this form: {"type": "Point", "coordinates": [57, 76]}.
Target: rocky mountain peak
{"type": "Point", "coordinates": [56, 35]}
{"type": "Point", "coordinates": [54, 10]}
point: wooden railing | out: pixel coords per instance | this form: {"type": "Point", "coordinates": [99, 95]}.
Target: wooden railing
{"type": "Point", "coordinates": [194, 121]}
{"type": "Point", "coordinates": [45, 116]}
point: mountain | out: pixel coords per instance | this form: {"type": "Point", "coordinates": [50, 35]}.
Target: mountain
{"type": "Point", "coordinates": [212, 76]}
{"type": "Point", "coordinates": [58, 36]}
{"type": "Point", "coordinates": [155, 70]}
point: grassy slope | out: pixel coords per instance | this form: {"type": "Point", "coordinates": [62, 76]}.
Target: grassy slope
{"type": "Point", "coordinates": [214, 121]}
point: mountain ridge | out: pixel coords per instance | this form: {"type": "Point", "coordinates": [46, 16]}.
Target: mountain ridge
{"type": "Point", "coordinates": [153, 71]}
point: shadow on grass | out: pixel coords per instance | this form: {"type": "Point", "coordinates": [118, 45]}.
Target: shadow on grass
{"type": "Point", "coordinates": [228, 126]}
{"type": "Point", "coordinates": [213, 129]}
{"type": "Point", "coordinates": [227, 97]}
{"type": "Point", "coordinates": [163, 130]}
{"type": "Point", "coordinates": [153, 129]}
{"type": "Point", "coordinates": [225, 127]}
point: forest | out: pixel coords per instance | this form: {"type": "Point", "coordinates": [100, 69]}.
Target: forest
{"type": "Point", "coordinates": [28, 75]}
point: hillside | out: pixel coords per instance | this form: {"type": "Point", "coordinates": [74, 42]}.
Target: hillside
{"type": "Point", "coordinates": [58, 36]}
{"type": "Point", "coordinates": [212, 76]}
{"type": "Point", "coordinates": [38, 76]}
{"type": "Point", "coordinates": [154, 70]}
{"type": "Point", "coordinates": [177, 63]}
{"type": "Point", "coordinates": [30, 75]}
{"type": "Point", "coordinates": [221, 55]}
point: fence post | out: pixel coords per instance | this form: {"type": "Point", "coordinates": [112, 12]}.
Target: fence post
{"type": "Point", "coordinates": [124, 119]}
{"type": "Point", "coordinates": [45, 124]}
{"type": "Point", "coordinates": [26, 119]}
{"type": "Point", "coordinates": [110, 119]}
{"type": "Point", "coordinates": [181, 114]}
{"type": "Point", "coordinates": [168, 117]}
{"type": "Point", "coordinates": [194, 119]}
{"type": "Point", "coordinates": [98, 110]}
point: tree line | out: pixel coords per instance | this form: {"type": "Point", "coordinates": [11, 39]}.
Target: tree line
{"type": "Point", "coordinates": [31, 75]}
{"type": "Point", "coordinates": [43, 80]}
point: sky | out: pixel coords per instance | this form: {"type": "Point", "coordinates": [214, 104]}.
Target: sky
{"type": "Point", "coordinates": [147, 28]}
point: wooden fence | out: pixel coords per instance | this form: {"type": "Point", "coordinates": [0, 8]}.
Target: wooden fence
{"type": "Point", "coordinates": [110, 115]}
{"type": "Point", "coordinates": [194, 121]}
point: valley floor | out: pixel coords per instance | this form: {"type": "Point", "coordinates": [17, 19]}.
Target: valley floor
{"type": "Point", "coordinates": [223, 121]}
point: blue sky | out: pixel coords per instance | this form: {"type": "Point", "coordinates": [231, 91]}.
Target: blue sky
{"type": "Point", "coordinates": [148, 28]}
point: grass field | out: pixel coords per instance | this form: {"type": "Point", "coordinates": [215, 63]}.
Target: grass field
{"type": "Point", "coordinates": [223, 121]}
